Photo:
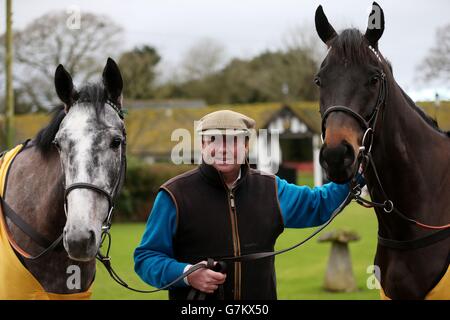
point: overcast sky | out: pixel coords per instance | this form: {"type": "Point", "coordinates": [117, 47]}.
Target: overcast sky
{"type": "Point", "coordinates": [247, 27]}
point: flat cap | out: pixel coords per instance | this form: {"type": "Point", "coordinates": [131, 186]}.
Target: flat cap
{"type": "Point", "coordinates": [225, 122]}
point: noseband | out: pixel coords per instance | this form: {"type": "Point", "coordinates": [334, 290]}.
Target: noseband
{"type": "Point", "coordinates": [367, 125]}
{"type": "Point", "coordinates": [110, 197]}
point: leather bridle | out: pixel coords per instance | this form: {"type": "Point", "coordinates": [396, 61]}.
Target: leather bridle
{"type": "Point", "coordinates": [111, 197]}
{"type": "Point", "coordinates": [365, 159]}
{"type": "Point", "coordinates": [367, 125]}
{"type": "Point", "coordinates": [82, 185]}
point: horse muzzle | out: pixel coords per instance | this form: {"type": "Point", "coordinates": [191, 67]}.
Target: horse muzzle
{"type": "Point", "coordinates": [81, 245]}
{"type": "Point", "coordinates": [338, 161]}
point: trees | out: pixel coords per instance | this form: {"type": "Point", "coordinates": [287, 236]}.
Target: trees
{"type": "Point", "coordinates": [203, 59]}
{"type": "Point", "coordinates": [259, 79]}
{"type": "Point", "coordinates": [50, 40]}
{"type": "Point", "coordinates": [436, 65]}
{"type": "Point", "coordinates": [138, 72]}
{"type": "Point", "coordinates": [280, 75]}
{"type": "Point", "coordinates": [277, 75]}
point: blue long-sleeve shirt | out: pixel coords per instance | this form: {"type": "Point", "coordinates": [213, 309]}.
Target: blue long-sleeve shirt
{"type": "Point", "coordinates": [301, 207]}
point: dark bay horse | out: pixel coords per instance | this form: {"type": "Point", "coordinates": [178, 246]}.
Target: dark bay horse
{"type": "Point", "coordinates": [65, 180]}
{"type": "Point", "coordinates": [365, 111]}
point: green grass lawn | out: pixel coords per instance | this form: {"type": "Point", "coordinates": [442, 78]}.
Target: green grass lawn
{"type": "Point", "coordinates": [305, 178]}
{"type": "Point", "coordinates": [300, 273]}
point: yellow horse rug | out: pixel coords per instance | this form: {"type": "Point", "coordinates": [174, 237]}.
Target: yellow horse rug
{"type": "Point", "coordinates": [16, 282]}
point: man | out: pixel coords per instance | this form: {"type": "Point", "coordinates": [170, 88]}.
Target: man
{"type": "Point", "coordinates": [224, 208]}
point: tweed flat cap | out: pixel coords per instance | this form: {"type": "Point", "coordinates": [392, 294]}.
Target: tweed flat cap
{"type": "Point", "coordinates": [225, 122]}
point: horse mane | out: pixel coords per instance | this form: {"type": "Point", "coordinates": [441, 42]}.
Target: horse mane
{"type": "Point", "coordinates": [94, 93]}
{"type": "Point", "coordinates": [352, 46]}
{"type": "Point", "coordinates": [45, 136]}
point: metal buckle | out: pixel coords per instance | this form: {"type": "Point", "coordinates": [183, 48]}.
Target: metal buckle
{"type": "Point", "coordinates": [388, 206]}
{"type": "Point", "coordinates": [107, 224]}
{"type": "Point", "coordinates": [363, 147]}
{"type": "Point", "coordinates": [104, 258]}
{"type": "Point", "coordinates": [357, 190]}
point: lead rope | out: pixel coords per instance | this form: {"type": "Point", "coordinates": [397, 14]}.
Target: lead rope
{"type": "Point", "coordinates": [195, 294]}
{"type": "Point", "coordinates": [387, 205]}
{"type": "Point", "coordinates": [106, 259]}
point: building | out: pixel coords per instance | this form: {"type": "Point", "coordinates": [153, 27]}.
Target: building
{"type": "Point", "coordinates": [152, 133]}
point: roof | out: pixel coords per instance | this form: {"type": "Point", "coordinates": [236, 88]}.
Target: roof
{"type": "Point", "coordinates": [149, 131]}
{"type": "Point", "coordinates": [169, 103]}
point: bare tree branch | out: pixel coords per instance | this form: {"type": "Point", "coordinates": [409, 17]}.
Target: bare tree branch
{"type": "Point", "coordinates": [48, 41]}
{"type": "Point", "coordinates": [203, 59]}
{"type": "Point", "coordinates": [436, 65]}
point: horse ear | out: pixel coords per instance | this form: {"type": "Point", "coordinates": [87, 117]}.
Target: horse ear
{"type": "Point", "coordinates": [324, 29]}
{"type": "Point", "coordinates": [375, 25]}
{"type": "Point", "coordinates": [64, 87]}
{"type": "Point", "coordinates": [112, 80]}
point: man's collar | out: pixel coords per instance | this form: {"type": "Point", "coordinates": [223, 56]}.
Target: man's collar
{"type": "Point", "coordinates": [213, 176]}
{"type": "Point", "coordinates": [237, 179]}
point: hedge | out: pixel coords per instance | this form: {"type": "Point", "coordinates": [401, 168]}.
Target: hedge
{"type": "Point", "coordinates": [141, 187]}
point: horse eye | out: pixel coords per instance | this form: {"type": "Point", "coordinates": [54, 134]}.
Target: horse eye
{"type": "Point", "coordinates": [115, 143]}
{"type": "Point", "coordinates": [374, 80]}
{"type": "Point", "coordinates": [317, 81]}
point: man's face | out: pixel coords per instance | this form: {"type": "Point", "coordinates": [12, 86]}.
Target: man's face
{"type": "Point", "coordinates": [226, 153]}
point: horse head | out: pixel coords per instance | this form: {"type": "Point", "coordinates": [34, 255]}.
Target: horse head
{"type": "Point", "coordinates": [352, 82]}
{"type": "Point", "coordinates": [91, 145]}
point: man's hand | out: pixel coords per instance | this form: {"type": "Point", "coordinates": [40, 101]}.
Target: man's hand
{"type": "Point", "coordinates": [206, 280]}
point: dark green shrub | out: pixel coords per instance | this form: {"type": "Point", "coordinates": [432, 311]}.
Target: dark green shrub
{"type": "Point", "coordinates": [141, 187]}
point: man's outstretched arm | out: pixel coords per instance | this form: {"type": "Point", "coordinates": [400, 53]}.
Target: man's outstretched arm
{"type": "Point", "coordinates": [303, 207]}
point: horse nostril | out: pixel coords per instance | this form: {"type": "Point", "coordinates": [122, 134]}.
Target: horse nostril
{"type": "Point", "coordinates": [91, 237]}
{"type": "Point", "coordinates": [342, 155]}
{"type": "Point", "coordinates": [349, 155]}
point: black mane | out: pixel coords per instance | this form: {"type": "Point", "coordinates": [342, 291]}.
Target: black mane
{"type": "Point", "coordinates": [352, 46]}
{"type": "Point", "coordinates": [94, 93]}
{"type": "Point", "coordinates": [45, 136]}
